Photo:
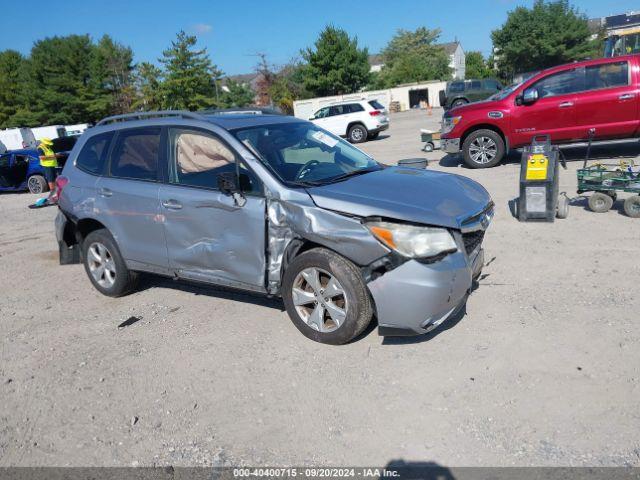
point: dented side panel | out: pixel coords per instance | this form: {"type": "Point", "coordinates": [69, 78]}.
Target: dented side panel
{"type": "Point", "coordinates": [210, 238]}
{"type": "Point", "coordinates": [290, 220]}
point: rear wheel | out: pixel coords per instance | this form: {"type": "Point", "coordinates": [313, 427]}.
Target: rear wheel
{"type": "Point", "coordinates": [326, 297]}
{"type": "Point", "coordinates": [459, 102]}
{"type": "Point", "coordinates": [37, 184]}
{"type": "Point", "coordinates": [600, 202]}
{"type": "Point", "coordinates": [357, 133]}
{"type": "Point", "coordinates": [428, 147]}
{"type": "Point", "coordinates": [632, 206]}
{"type": "Point", "coordinates": [562, 210]}
{"type": "Point", "coordinates": [105, 266]}
{"type": "Point", "coordinates": [483, 149]}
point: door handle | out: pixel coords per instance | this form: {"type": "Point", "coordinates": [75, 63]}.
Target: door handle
{"type": "Point", "coordinates": [105, 192]}
{"type": "Point", "coordinates": [171, 204]}
{"type": "Point", "coordinates": [626, 96]}
{"type": "Point", "coordinates": [565, 105]}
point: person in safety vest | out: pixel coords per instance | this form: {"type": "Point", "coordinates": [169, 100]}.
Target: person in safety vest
{"type": "Point", "coordinates": [49, 161]}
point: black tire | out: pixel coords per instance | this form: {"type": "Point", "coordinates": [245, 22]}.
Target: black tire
{"type": "Point", "coordinates": [562, 210]}
{"type": "Point", "coordinates": [373, 136]}
{"type": "Point", "coordinates": [459, 102]}
{"type": "Point", "coordinates": [357, 133]}
{"type": "Point", "coordinates": [612, 194]}
{"type": "Point", "coordinates": [475, 138]}
{"type": "Point", "coordinates": [37, 184]}
{"type": "Point", "coordinates": [428, 147]}
{"type": "Point", "coordinates": [357, 301]}
{"type": "Point", "coordinates": [123, 280]}
{"type": "Point", "coordinates": [632, 206]}
{"type": "Point", "coordinates": [600, 202]}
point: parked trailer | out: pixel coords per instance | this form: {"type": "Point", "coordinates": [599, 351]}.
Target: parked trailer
{"type": "Point", "coordinates": [50, 132]}
{"type": "Point", "coordinates": [17, 138]}
{"type": "Point", "coordinates": [77, 129]}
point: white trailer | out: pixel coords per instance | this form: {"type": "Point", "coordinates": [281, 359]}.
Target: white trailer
{"type": "Point", "coordinates": [17, 138]}
{"type": "Point", "coordinates": [77, 129]}
{"type": "Point", "coordinates": [50, 132]}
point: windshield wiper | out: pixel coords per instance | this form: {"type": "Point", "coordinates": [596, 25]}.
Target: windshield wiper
{"type": "Point", "coordinates": [353, 173]}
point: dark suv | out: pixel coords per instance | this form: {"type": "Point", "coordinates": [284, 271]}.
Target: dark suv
{"type": "Point", "coordinates": [461, 92]}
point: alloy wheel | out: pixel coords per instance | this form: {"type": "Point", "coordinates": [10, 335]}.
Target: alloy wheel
{"type": "Point", "coordinates": [101, 265]}
{"type": "Point", "coordinates": [319, 299]}
{"type": "Point", "coordinates": [483, 150]}
{"type": "Point", "coordinates": [357, 134]}
{"type": "Point", "coordinates": [34, 185]}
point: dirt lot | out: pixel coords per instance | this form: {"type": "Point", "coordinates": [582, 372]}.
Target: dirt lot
{"type": "Point", "coordinates": [543, 369]}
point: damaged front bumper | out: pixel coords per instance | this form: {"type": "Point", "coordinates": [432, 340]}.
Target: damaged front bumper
{"type": "Point", "coordinates": [416, 297]}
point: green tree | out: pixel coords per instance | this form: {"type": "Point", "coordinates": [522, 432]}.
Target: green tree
{"type": "Point", "coordinates": [548, 34]}
{"type": "Point", "coordinates": [413, 56]}
{"type": "Point", "coordinates": [336, 65]}
{"type": "Point", "coordinates": [111, 80]}
{"type": "Point", "coordinates": [11, 64]}
{"type": "Point", "coordinates": [288, 87]}
{"type": "Point", "coordinates": [189, 75]}
{"type": "Point", "coordinates": [147, 79]}
{"type": "Point", "coordinates": [236, 94]}
{"type": "Point", "coordinates": [57, 87]}
{"type": "Point", "coordinates": [477, 67]}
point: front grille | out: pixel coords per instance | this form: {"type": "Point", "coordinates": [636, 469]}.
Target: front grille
{"type": "Point", "coordinates": [472, 240]}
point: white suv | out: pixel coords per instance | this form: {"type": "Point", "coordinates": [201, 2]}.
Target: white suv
{"type": "Point", "coordinates": [358, 120]}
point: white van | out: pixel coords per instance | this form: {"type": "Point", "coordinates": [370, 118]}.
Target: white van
{"type": "Point", "coordinates": [50, 132]}
{"type": "Point", "coordinates": [17, 138]}
{"type": "Point", "coordinates": [77, 129]}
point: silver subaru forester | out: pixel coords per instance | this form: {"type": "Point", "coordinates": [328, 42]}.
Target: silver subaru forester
{"type": "Point", "coordinates": [277, 206]}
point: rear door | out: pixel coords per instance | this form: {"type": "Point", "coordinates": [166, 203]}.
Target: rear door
{"type": "Point", "coordinates": [127, 199]}
{"type": "Point", "coordinates": [609, 102]}
{"type": "Point", "coordinates": [339, 119]}
{"type": "Point", "coordinates": [210, 237]}
{"type": "Point", "coordinates": [554, 113]}
{"type": "Point", "coordinates": [5, 171]}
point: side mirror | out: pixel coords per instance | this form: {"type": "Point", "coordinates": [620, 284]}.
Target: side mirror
{"type": "Point", "coordinates": [312, 117]}
{"type": "Point", "coordinates": [529, 96]}
{"type": "Point", "coordinates": [421, 163]}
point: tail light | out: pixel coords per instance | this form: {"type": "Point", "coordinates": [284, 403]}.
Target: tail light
{"type": "Point", "coordinates": [375, 113]}
{"type": "Point", "coordinates": [61, 182]}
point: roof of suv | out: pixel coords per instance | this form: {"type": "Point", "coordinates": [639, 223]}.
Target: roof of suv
{"type": "Point", "coordinates": [235, 121]}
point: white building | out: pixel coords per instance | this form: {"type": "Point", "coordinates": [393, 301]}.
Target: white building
{"type": "Point", "coordinates": [454, 51]}
{"type": "Point", "coordinates": [407, 96]}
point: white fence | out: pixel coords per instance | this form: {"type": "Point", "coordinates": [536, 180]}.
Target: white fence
{"type": "Point", "coordinates": [408, 96]}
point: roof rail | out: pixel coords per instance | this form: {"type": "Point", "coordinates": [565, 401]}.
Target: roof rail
{"type": "Point", "coordinates": [128, 117]}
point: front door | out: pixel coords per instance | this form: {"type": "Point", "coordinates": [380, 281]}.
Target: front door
{"type": "Point", "coordinates": [211, 236]}
{"type": "Point", "coordinates": [554, 113]}
{"type": "Point", "coordinates": [127, 198]}
{"type": "Point", "coordinates": [609, 103]}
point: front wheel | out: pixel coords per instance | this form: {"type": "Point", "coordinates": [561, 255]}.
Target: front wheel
{"type": "Point", "coordinates": [326, 297]}
{"type": "Point", "coordinates": [357, 133]}
{"type": "Point", "coordinates": [105, 266]}
{"type": "Point", "coordinates": [37, 184]}
{"type": "Point", "coordinates": [459, 102]}
{"type": "Point", "coordinates": [483, 149]}
{"type": "Point", "coordinates": [600, 202]}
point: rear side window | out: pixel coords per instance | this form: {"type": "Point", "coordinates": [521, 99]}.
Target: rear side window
{"type": "Point", "coordinates": [475, 85]}
{"type": "Point", "coordinates": [355, 107]}
{"type": "Point", "coordinates": [135, 154]}
{"type": "Point", "coordinates": [376, 104]}
{"type": "Point", "coordinates": [608, 75]}
{"type": "Point", "coordinates": [92, 156]}
{"type": "Point", "coordinates": [456, 87]}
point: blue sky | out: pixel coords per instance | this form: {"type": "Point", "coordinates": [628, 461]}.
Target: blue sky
{"type": "Point", "coordinates": [235, 30]}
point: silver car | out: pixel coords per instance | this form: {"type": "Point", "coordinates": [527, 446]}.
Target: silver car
{"type": "Point", "coordinates": [277, 206]}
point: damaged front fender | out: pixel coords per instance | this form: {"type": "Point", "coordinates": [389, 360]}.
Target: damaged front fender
{"type": "Point", "coordinates": [292, 222]}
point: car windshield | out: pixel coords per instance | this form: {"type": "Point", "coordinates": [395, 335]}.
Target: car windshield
{"type": "Point", "coordinates": [301, 153]}
{"type": "Point", "coordinates": [505, 92]}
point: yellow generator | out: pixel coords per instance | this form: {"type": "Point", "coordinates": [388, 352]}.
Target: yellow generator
{"type": "Point", "coordinates": [539, 183]}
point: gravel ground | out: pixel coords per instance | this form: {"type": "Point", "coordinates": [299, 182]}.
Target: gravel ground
{"type": "Point", "coordinates": [542, 369]}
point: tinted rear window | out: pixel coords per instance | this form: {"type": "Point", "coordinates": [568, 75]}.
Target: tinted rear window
{"type": "Point", "coordinates": [355, 107]}
{"type": "Point", "coordinates": [92, 156]}
{"type": "Point", "coordinates": [456, 87]}
{"type": "Point", "coordinates": [135, 154]}
{"type": "Point", "coordinates": [376, 104]}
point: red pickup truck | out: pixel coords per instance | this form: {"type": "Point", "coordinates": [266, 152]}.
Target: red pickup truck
{"type": "Point", "coordinates": [598, 98]}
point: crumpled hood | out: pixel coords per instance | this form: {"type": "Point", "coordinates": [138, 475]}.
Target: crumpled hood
{"type": "Point", "coordinates": [409, 194]}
